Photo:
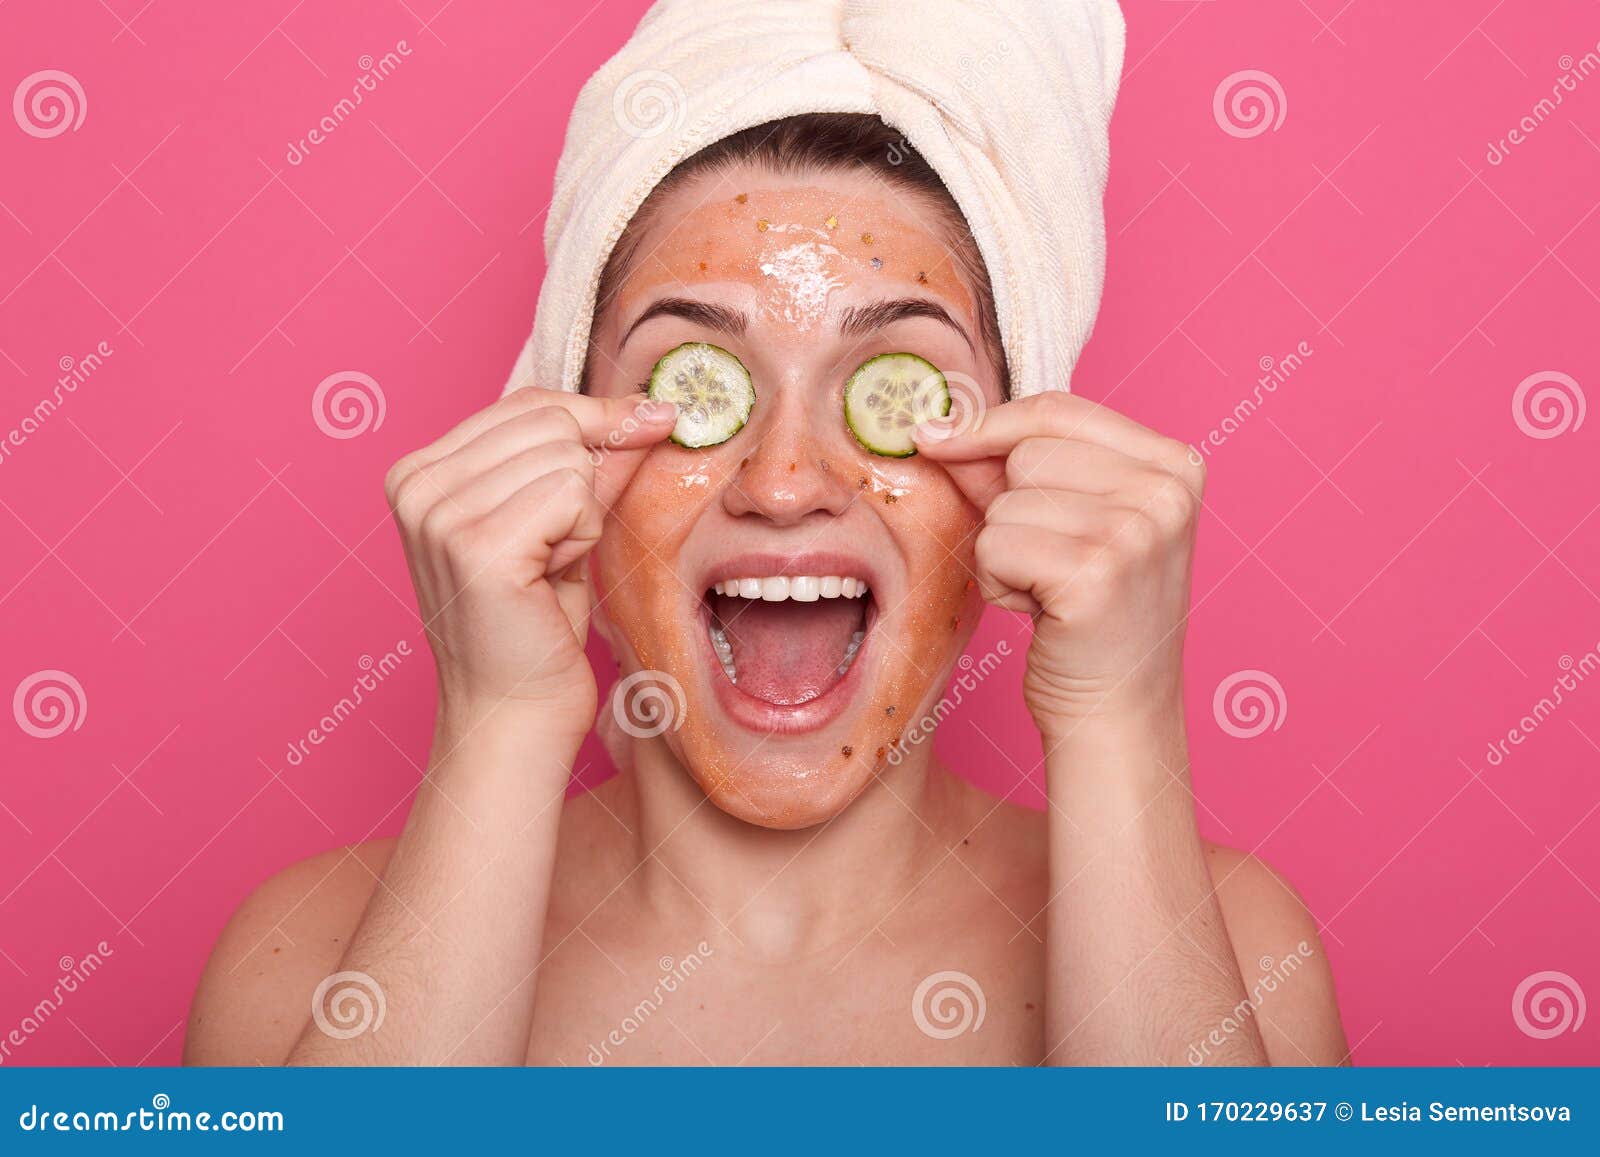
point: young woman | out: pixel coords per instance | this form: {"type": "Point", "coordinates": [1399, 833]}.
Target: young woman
{"type": "Point", "coordinates": [778, 874]}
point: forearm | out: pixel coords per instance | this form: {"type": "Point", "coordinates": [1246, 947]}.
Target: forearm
{"type": "Point", "coordinates": [1139, 961]}
{"type": "Point", "coordinates": [452, 935]}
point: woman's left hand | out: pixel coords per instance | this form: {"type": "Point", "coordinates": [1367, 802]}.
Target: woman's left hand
{"type": "Point", "coordinates": [1089, 522]}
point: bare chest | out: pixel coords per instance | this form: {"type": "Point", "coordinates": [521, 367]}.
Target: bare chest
{"type": "Point", "coordinates": [970, 999]}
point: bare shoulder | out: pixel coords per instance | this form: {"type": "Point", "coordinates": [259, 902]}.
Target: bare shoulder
{"type": "Point", "coordinates": [1286, 973]}
{"type": "Point", "coordinates": [254, 997]}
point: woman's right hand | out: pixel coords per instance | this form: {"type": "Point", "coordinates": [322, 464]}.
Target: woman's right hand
{"type": "Point", "coordinates": [497, 517]}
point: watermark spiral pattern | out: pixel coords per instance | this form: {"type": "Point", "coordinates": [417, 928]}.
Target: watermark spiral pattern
{"type": "Point", "coordinates": [947, 1004]}
{"type": "Point", "coordinates": [348, 404]}
{"type": "Point", "coordinates": [347, 1004]}
{"type": "Point", "coordinates": [1548, 404]}
{"type": "Point", "coordinates": [1548, 1004]}
{"type": "Point", "coordinates": [49, 703]}
{"type": "Point", "coordinates": [648, 103]}
{"type": "Point", "coordinates": [648, 703]}
{"type": "Point", "coordinates": [967, 403]}
{"type": "Point", "coordinates": [1249, 703]}
{"type": "Point", "coordinates": [1248, 103]}
{"type": "Point", "coordinates": [49, 103]}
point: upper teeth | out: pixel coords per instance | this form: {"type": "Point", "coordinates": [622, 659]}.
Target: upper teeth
{"type": "Point", "coordinates": [801, 587]}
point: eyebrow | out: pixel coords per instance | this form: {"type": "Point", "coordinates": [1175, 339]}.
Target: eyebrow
{"type": "Point", "coordinates": [717, 317]}
{"type": "Point", "coordinates": [856, 321]}
{"type": "Point", "coordinates": [860, 320]}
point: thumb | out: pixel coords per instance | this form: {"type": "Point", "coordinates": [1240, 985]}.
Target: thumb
{"type": "Point", "coordinates": [980, 481]}
{"type": "Point", "coordinates": [576, 596]}
{"type": "Point", "coordinates": [614, 469]}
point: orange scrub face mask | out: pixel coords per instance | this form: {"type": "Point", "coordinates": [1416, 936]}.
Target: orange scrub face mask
{"type": "Point", "coordinates": [809, 596]}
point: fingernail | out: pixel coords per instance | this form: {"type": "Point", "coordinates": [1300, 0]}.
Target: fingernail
{"type": "Point", "coordinates": [654, 411]}
{"type": "Point", "coordinates": [933, 430]}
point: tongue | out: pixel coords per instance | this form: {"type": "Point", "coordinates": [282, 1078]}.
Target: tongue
{"type": "Point", "coordinates": [787, 652]}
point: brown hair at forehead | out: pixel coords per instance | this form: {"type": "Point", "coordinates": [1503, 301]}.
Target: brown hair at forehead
{"type": "Point", "coordinates": [807, 144]}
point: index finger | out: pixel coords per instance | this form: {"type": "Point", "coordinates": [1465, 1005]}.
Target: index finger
{"type": "Point", "coordinates": [619, 423]}
{"type": "Point", "coordinates": [996, 431]}
{"type": "Point", "coordinates": [603, 422]}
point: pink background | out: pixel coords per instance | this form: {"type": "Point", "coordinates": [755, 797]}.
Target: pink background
{"type": "Point", "coordinates": [1382, 536]}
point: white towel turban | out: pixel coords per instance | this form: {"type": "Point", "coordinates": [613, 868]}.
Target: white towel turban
{"type": "Point", "coordinates": [1008, 101]}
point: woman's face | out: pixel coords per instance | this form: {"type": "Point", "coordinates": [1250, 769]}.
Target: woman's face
{"type": "Point", "coordinates": [803, 279]}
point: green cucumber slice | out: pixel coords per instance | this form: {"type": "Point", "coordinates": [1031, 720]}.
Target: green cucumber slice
{"type": "Point", "coordinates": [888, 396]}
{"type": "Point", "coordinates": [711, 388]}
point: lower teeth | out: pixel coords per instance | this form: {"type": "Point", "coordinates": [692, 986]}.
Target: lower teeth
{"type": "Point", "coordinates": [850, 651]}
{"type": "Point", "coordinates": [724, 650]}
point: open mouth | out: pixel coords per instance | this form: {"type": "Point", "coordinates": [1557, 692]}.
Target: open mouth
{"type": "Point", "coordinates": [788, 639]}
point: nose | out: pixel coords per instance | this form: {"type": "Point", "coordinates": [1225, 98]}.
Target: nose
{"type": "Point", "coordinates": [792, 471]}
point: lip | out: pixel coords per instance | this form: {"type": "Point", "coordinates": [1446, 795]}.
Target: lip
{"type": "Point", "coordinates": [756, 714]}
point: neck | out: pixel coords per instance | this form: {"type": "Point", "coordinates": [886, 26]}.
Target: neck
{"type": "Point", "coordinates": [784, 894]}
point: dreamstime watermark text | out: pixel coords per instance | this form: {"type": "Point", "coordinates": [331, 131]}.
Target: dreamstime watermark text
{"type": "Point", "coordinates": [1573, 73]}
{"type": "Point", "coordinates": [74, 373]}
{"type": "Point", "coordinates": [1274, 373]}
{"type": "Point", "coordinates": [973, 673]}
{"type": "Point", "coordinates": [373, 72]}
{"type": "Point", "coordinates": [1573, 674]}
{"type": "Point", "coordinates": [1274, 975]}
{"type": "Point", "coordinates": [373, 673]}
{"type": "Point", "coordinates": [159, 1117]}
{"type": "Point", "coordinates": [675, 973]}
{"type": "Point", "coordinates": [74, 974]}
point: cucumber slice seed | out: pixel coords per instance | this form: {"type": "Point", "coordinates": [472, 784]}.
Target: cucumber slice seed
{"type": "Point", "coordinates": [888, 396]}
{"type": "Point", "coordinates": [711, 388]}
